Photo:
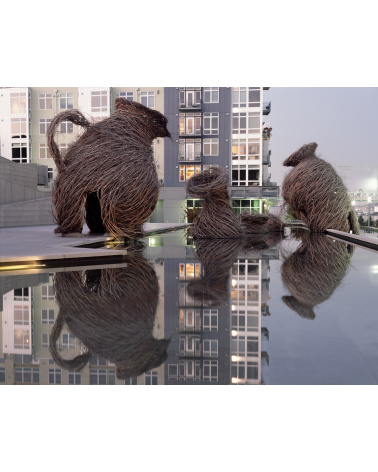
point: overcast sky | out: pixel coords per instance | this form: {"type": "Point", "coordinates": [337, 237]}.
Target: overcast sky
{"type": "Point", "coordinates": [343, 121]}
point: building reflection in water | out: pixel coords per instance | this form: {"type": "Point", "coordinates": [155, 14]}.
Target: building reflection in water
{"type": "Point", "coordinates": [212, 300]}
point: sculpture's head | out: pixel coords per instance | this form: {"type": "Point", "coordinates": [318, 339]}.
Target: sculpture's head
{"type": "Point", "coordinates": [153, 118]}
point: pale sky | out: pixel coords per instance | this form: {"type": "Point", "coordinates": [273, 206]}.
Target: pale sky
{"type": "Point", "coordinates": [342, 120]}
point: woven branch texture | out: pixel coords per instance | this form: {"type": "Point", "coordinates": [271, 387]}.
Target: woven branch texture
{"type": "Point", "coordinates": [112, 312]}
{"type": "Point", "coordinates": [316, 194]}
{"type": "Point", "coordinates": [314, 271]}
{"type": "Point", "coordinates": [108, 176]}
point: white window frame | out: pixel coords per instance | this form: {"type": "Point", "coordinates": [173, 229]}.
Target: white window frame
{"type": "Point", "coordinates": [185, 171]}
{"type": "Point", "coordinates": [45, 340]}
{"type": "Point", "coordinates": [151, 377]}
{"type": "Point", "coordinates": [211, 95]}
{"type": "Point", "coordinates": [46, 315]}
{"type": "Point", "coordinates": [44, 124]}
{"type": "Point", "coordinates": [127, 95]}
{"type": "Point", "coordinates": [21, 159]}
{"type": "Point", "coordinates": [208, 120]}
{"type": "Point", "coordinates": [212, 145]}
{"type": "Point", "coordinates": [18, 103]}
{"type": "Point", "coordinates": [66, 127]}
{"type": "Point", "coordinates": [103, 101]}
{"type": "Point", "coordinates": [210, 364]}
{"type": "Point", "coordinates": [147, 99]}
{"type": "Point", "coordinates": [210, 348]}
{"type": "Point", "coordinates": [19, 128]}
{"type": "Point", "coordinates": [212, 315]}
{"type": "Point", "coordinates": [45, 101]}
{"type": "Point", "coordinates": [49, 292]}
{"type": "Point", "coordinates": [67, 99]}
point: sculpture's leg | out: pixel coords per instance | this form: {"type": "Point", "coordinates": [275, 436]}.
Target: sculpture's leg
{"type": "Point", "coordinates": [69, 208]}
{"type": "Point", "coordinates": [93, 214]}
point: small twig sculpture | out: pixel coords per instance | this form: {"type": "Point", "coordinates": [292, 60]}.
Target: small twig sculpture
{"type": "Point", "coordinates": [217, 219]}
{"type": "Point", "coordinates": [112, 312]}
{"type": "Point", "coordinates": [108, 176]}
{"type": "Point", "coordinates": [253, 223]}
{"type": "Point", "coordinates": [314, 271]}
{"type": "Point", "coordinates": [316, 194]}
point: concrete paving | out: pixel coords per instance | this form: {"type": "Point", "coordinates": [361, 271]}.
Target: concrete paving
{"type": "Point", "coordinates": [39, 243]}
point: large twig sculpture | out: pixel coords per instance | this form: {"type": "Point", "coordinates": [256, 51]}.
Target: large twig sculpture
{"type": "Point", "coordinates": [316, 193]}
{"type": "Point", "coordinates": [108, 176]}
{"type": "Point", "coordinates": [217, 219]}
{"type": "Point", "coordinates": [112, 312]}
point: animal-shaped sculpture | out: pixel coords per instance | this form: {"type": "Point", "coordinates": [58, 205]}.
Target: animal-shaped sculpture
{"type": "Point", "coordinates": [217, 219]}
{"type": "Point", "coordinates": [112, 312]}
{"type": "Point", "coordinates": [109, 171]}
{"type": "Point", "coordinates": [317, 194]}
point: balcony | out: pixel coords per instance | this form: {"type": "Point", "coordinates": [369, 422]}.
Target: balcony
{"type": "Point", "coordinates": [190, 106]}
{"type": "Point", "coordinates": [266, 191]}
{"type": "Point", "coordinates": [266, 133]}
{"type": "Point", "coordinates": [266, 108]}
{"type": "Point", "coordinates": [190, 159]}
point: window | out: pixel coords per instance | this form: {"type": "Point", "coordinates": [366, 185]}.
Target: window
{"type": "Point", "coordinates": [147, 99]}
{"type": "Point", "coordinates": [210, 147]}
{"type": "Point", "coordinates": [74, 377]}
{"type": "Point", "coordinates": [48, 316]}
{"type": "Point", "coordinates": [55, 376]}
{"type": "Point", "coordinates": [44, 124]}
{"type": "Point", "coordinates": [243, 122]}
{"type": "Point", "coordinates": [210, 320]}
{"type": "Point", "coordinates": [210, 348]}
{"type": "Point", "coordinates": [68, 341]}
{"type": "Point", "coordinates": [151, 377]}
{"type": "Point", "coordinates": [172, 371]}
{"type": "Point", "coordinates": [45, 340]}
{"type": "Point", "coordinates": [63, 148]}
{"type": "Point", "coordinates": [50, 173]}
{"type": "Point", "coordinates": [246, 205]}
{"type": "Point", "coordinates": [189, 345]}
{"type": "Point", "coordinates": [99, 101]}
{"type": "Point", "coordinates": [21, 294]}
{"type": "Point", "coordinates": [101, 377]}
{"type": "Point", "coordinates": [127, 95]}
{"type": "Point", "coordinates": [211, 94]}
{"type": "Point", "coordinates": [187, 171]}
{"type": "Point", "coordinates": [131, 381]}
{"type": "Point", "coordinates": [190, 319]}
{"type": "Point", "coordinates": [45, 101]}
{"type": "Point", "coordinates": [189, 97]}
{"type": "Point", "coordinates": [22, 339]}
{"type": "Point", "coordinates": [241, 175]}
{"type": "Point", "coordinates": [185, 299]}
{"type": "Point", "coordinates": [26, 375]}
{"type": "Point", "coordinates": [245, 96]}
{"type": "Point", "coordinates": [190, 271]}
{"type": "Point", "coordinates": [210, 371]}
{"type": "Point", "coordinates": [66, 101]}
{"type": "Point", "coordinates": [47, 292]}
{"type": "Point", "coordinates": [20, 153]}
{"type": "Point", "coordinates": [66, 127]}
{"type": "Point", "coordinates": [2, 374]}
{"type": "Point", "coordinates": [210, 123]}
{"type": "Point", "coordinates": [190, 149]}
{"type": "Point", "coordinates": [18, 102]}
{"type": "Point", "coordinates": [190, 370]}
{"type": "Point", "coordinates": [21, 314]}
{"type": "Point", "coordinates": [190, 123]}
{"type": "Point", "coordinates": [243, 149]}
{"type": "Point", "coordinates": [18, 127]}
{"type": "Point", "coordinates": [44, 152]}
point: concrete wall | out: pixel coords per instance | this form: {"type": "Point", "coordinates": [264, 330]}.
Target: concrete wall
{"type": "Point", "coordinates": [32, 213]}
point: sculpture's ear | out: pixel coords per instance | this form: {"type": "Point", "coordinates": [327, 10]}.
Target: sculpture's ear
{"type": "Point", "coordinates": [308, 150]}
{"type": "Point", "coordinates": [123, 104]}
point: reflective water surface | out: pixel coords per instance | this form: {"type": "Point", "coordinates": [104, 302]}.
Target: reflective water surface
{"type": "Point", "coordinates": [267, 310]}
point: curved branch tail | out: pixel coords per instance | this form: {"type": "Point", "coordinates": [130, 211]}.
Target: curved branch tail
{"type": "Point", "coordinates": [76, 117]}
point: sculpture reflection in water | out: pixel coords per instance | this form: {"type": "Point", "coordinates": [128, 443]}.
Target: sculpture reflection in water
{"type": "Point", "coordinates": [112, 312]}
{"type": "Point", "coordinates": [217, 257]}
{"type": "Point", "coordinates": [314, 271]}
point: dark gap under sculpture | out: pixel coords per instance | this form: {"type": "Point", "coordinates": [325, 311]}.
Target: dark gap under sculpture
{"type": "Point", "coordinates": [108, 176]}
{"type": "Point", "coordinates": [112, 312]}
{"type": "Point", "coordinates": [314, 271]}
{"type": "Point", "coordinates": [316, 193]}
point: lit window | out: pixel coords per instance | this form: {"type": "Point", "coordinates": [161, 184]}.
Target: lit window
{"type": "Point", "coordinates": [21, 339]}
{"type": "Point", "coordinates": [190, 123]}
{"type": "Point", "coordinates": [210, 147]}
{"type": "Point", "coordinates": [99, 101]}
{"type": "Point", "coordinates": [21, 314]}
{"type": "Point", "coordinates": [45, 101]}
{"type": "Point", "coordinates": [187, 171]}
{"type": "Point", "coordinates": [18, 127]}
{"type": "Point", "coordinates": [211, 94]}
{"type": "Point", "coordinates": [18, 102]}
{"type": "Point", "coordinates": [147, 99]}
{"type": "Point", "coordinates": [189, 271]}
{"type": "Point", "coordinates": [66, 101]}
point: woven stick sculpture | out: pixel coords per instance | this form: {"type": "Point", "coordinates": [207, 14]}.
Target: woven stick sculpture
{"type": "Point", "coordinates": [108, 176]}
{"type": "Point", "coordinates": [217, 257]}
{"type": "Point", "coordinates": [217, 219]}
{"type": "Point", "coordinates": [313, 272]}
{"type": "Point", "coordinates": [254, 223]}
{"type": "Point", "coordinates": [316, 193]}
{"type": "Point", "coordinates": [112, 312]}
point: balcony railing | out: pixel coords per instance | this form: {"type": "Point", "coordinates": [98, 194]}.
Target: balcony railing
{"type": "Point", "coordinates": [255, 192]}
{"type": "Point", "coordinates": [190, 106]}
{"type": "Point", "coordinates": [196, 158]}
